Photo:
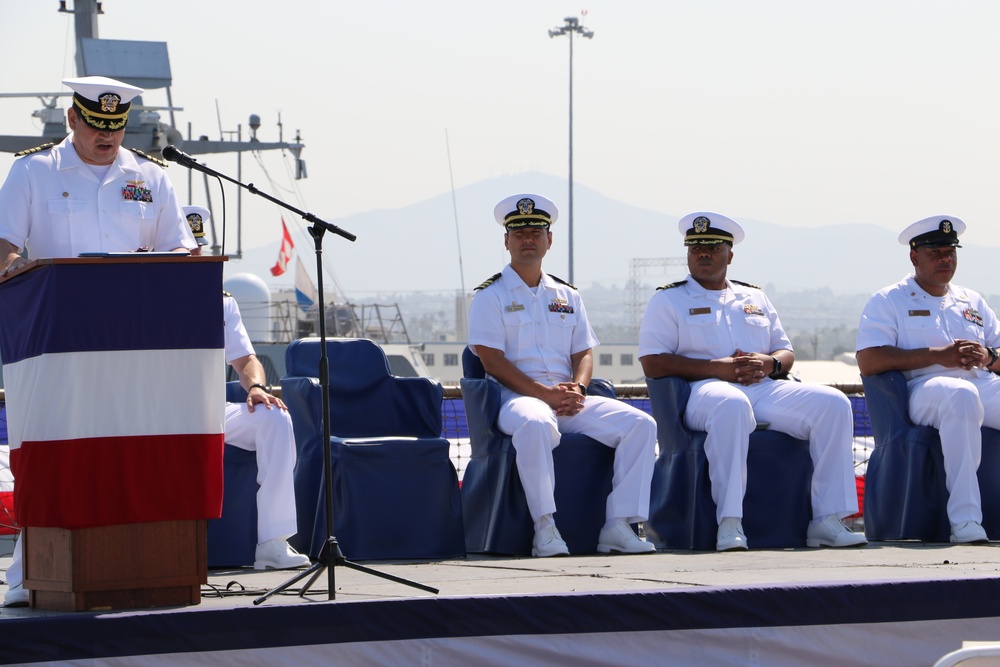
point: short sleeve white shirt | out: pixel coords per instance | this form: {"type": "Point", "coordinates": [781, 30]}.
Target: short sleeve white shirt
{"type": "Point", "coordinates": [538, 331]}
{"type": "Point", "coordinates": [905, 316]}
{"type": "Point", "coordinates": [690, 321]}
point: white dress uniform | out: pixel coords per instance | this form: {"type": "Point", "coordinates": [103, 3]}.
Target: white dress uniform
{"type": "Point", "coordinates": [267, 432]}
{"type": "Point", "coordinates": [688, 320]}
{"type": "Point", "coordinates": [57, 205]}
{"type": "Point", "coordinates": [955, 401]}
{"type": "Point", "coordinates": [538, 329]}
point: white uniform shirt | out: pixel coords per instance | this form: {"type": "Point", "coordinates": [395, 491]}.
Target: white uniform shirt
{"type": "Point", "coordinates": [53, 204]}
{"type": "Point", "coordinates": [905, 316]}
{"type": "Point", "coordinates": [537, 332]}
{"type": "Point", "coordinates": [696, 323]}
{"type": "Point", "coordinates": [237, 341]}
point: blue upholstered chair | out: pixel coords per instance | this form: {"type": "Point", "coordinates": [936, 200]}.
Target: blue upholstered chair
{"type": "Point", "coordinates": [905, 494]}
{"type": "Point", "coordinates": [495, 510]}
{"type": "Point", "coordinates": [232, 538]}
{"type": "Point", "coordinates": [395, 488]}
{"type": "Point", "coordinates": [777, 506]}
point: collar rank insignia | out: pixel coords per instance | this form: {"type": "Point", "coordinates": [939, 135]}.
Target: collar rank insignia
{"type": "Point", "coordinates": [134, 191]}
{"type": "Point", "coordinates": [753, 309]}
{"type": "Point", "coordinates": [514, 307]}
{"type": "Point", "coordinates": [972, 315]}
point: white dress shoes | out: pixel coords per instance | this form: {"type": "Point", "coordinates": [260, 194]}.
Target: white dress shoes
{"type": "Point", "coordinates": [831, 532]}
{"type": "Point", "coordinates": [970, 532]}
{"type": "Point", "coordinates": [277, 554]}
{"type": "Point", "coordinates": [16, 596]}
{"type": "Point", "coordinates": [731, 536]}
{"type": "Point", "coordinates": [548, 542]}
{"type": "Point", "coordinates": [621, 539]}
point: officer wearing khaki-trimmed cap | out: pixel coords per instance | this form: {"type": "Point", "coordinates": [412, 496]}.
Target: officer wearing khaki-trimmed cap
{"type": "Point", "coordinates": [530, 330]}
{"type": "Point", "coordinates": [943, 338]}
{"type": "Point", "coordinates": [725, 338]}
{"type": "Point", "coordinates": [88, 194]}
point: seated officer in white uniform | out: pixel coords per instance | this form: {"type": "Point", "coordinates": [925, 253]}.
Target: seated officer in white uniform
{"type": "Point", "coordinates": [265, 431]}
{"type": "Point", "coordinates": [531, 332]}
{"type": "Point", "coordinates": [943, 338]}
{"type": "Point", "coordinates": [725, 338]}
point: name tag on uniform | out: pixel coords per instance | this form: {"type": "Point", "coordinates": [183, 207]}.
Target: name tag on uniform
{"type": "Point", "coordinates": [514, 307]}
{"type": "Point", "coordinates": [920, 313]}
{"type": "Point", "coordinates": [700, 311]}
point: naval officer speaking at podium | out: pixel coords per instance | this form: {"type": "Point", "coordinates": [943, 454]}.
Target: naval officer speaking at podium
{"type": "Point", "coordinates": [88, 194]}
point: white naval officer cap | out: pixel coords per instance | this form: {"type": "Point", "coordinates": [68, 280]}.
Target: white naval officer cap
{"type": "Point", "coordinates": [525, 210]}
{"type": "Point", "coordinates": [705, 228]}
{"type": "Point", "coordinates": [197, 216]}
{"type": "Point", "coordinates": [101, 102]}
{"type": "Point", "coordinates": [937, 231]}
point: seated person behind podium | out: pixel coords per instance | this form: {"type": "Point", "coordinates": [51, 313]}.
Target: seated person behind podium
{"type": "Point", "coordinates": [943, 338]}
{"type": "Point", "coordinates": [725, 338]}
{"type": "Point", "coordinates": [88, 194]}
{"type": "Point", "coordinates": [532, 334]}
{"type": "Point", "coordinates": [267, 432]}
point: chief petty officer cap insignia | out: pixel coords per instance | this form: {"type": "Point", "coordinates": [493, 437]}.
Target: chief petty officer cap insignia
{"type": "Point", "coordinates": [937, 231]}
{"type": "Point", "coordinates": [525, 210]}
{"type": "Point", "coordinates": [102, 103]}
{"type": "Point", "coordinates": [197, 216]}
{"type": "Point", "coordinates": [704, 228]}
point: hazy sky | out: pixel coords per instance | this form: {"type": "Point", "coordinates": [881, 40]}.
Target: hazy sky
{"type": "Point", "coordinates": [795, 112]}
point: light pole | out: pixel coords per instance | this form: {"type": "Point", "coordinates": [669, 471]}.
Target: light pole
{"type": "Point", "coordinates": [572, 26]}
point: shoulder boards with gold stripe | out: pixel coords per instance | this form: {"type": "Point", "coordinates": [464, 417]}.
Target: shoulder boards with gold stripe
{"type": "Point", "coordinates": [740, 282]}
{"type": "Point", "coordinates": [150, 158]}
{"type": "Point", "coordinates": [489, 281]}
{"type": "Point", "coordinates": [561, 281]}
{"type": "Point", "coordinates": [672, 285]}
{"type": "Point", "coordinates": [36, 149]}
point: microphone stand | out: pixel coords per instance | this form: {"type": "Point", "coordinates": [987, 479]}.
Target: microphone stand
{"type": "Point", "coordinates": [330, 556]}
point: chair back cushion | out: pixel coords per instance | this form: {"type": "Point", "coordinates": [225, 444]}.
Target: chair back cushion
{"type": "Point", "coordinates": [472, 366]}
{"type": "Point", "coordinates": [888, 400]}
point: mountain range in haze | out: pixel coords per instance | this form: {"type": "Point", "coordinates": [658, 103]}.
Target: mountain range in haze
{"type": "Point", "coordinates": [416, 249]}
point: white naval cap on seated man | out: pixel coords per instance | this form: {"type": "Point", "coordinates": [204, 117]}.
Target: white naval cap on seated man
{"type": "Point", "coordinates": [543, 366]}
{"type": "Point", "coordinates": [724, 337]}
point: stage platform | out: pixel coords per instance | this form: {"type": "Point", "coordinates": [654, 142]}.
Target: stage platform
{"type": "Point", "coordinates": [885, 604]}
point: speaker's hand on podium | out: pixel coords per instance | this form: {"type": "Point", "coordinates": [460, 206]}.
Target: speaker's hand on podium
{"type": "Point", "coordinates": [9, 257]}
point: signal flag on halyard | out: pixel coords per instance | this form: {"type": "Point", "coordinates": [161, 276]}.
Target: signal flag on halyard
{"type": "Point", "coordinates": [305, 293]}
{"type": "Point", "coordinates": [285, 254]}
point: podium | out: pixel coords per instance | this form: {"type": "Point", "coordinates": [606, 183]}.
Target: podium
{"type": "Point", "coordinates": [115, 422]}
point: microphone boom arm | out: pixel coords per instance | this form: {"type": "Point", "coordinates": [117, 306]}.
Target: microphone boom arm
{"type": "Point", "coordinates": [174, 155]}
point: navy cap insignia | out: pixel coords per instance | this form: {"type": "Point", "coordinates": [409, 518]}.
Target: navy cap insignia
{"type": "Point", "coordinates": [109, 102]}
{"type": "Point", "coordinates": [526, 206]}
{"type": "Point", "coordinates": [946, 226]}
{"type": "Point", "coordinates": [701, 224]}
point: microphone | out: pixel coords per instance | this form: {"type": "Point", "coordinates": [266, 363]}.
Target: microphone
{"type": "Point", "coordinates": [174, 154]}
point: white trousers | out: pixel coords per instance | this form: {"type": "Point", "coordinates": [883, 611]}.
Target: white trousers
{"type": "Point", "coordinates": [729, 413]}
{"type": "Point", "coordinates": [269, 433]}
{"type": "Point", "coordinates": [536, 431]}
{"type": "Point", "coordinates": [957, 408]}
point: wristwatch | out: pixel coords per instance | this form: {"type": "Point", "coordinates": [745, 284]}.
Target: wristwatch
{"type": "Point", "coordinates": [777, 367]}
{"type": "Point", "coordinates": [583, 388]}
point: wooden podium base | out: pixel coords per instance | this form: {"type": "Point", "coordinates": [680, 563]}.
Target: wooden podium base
{"type": "Point", "coordinates": [129, 566]}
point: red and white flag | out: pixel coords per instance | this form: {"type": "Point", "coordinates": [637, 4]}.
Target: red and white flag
{"type": "Point", "coordinates": [285, 254]}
